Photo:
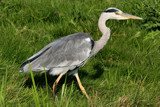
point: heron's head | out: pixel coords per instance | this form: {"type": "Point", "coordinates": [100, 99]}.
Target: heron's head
{"type": "Point", "coordinates": [114, 13]}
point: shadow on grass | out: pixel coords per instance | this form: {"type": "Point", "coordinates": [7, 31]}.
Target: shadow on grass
{"type": "Point", "coordinates": [41, 82]}
{"type": "Point", "coordinates": [99, 71]}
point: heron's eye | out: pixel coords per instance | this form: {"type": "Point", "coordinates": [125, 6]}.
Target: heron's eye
{"type": "Point", "coordinates": [118, 13]}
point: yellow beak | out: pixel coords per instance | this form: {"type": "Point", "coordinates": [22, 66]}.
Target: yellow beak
{"type": "Point", "coordinates": [130, 16]}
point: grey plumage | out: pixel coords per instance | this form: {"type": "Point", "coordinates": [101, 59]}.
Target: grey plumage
{"type": "Point", "coordinates": [66, 53]}
{"type": "Point", "coordinates": [71, 52]}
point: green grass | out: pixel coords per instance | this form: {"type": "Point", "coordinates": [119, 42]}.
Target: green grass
{"type": "Point", "coordinates": [125, 73]}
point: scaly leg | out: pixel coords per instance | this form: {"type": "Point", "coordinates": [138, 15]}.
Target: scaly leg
{"type": "Point", "coordinates": [80, 85]}
{"type": "Point", "coordinates": [56, 82]}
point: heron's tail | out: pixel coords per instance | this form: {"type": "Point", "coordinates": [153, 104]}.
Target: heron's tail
{"type": "Point", "coordinates": [21, 70]}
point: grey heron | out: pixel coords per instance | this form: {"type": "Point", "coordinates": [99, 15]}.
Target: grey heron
{"type": "Point", "coordinates": [67, 54]}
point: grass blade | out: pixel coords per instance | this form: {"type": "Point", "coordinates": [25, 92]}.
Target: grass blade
{"type": "Point", "coordinates": [34, 88]}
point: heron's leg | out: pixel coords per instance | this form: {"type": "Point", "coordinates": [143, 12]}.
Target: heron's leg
{"type": "Point", "coordinates": [80, 85]}
{"type": "Point", "coordinates": [56, 82]}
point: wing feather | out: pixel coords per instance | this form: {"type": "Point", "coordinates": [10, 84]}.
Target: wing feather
{"type": "Point", "coordinates": [70, 51]}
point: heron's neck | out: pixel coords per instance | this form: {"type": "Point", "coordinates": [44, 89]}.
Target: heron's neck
{"type": "Point", "coordinates": [102, 24]}
{"type": "Point", "coordinates": [105, 34]}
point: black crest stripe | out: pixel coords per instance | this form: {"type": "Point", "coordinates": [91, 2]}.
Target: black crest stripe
{"type": "Point", "coordinates": [111, 10]}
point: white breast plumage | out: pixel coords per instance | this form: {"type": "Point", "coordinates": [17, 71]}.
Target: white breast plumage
{"type": "Point", "coordinates": [88, 39]}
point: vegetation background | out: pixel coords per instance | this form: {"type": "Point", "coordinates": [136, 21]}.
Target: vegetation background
{"type": "Point", "coordinates": [125, 73]}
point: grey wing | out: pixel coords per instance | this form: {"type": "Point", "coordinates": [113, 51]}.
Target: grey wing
{"type": "Point", "coordinates": [38, 54]}
{"type": "Point", "coordinates": [68, 53]}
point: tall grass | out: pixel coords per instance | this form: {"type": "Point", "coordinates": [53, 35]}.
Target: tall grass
{"type": "Point", "coordinates": [124, 73]}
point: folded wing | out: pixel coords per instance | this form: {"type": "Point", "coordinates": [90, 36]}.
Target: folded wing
{"type": "Point", "coordinates": [66, 53]}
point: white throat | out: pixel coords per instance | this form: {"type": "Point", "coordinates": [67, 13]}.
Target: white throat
{"type": "Point", "coordinates": [105, 34]}
{"type": "Point", "coordinates": [102, 23]}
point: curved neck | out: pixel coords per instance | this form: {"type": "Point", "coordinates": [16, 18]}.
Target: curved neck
{"type": "Point", "coordinates": [102, 24]}
{"type": "Point", "coordinates": [105, 34]}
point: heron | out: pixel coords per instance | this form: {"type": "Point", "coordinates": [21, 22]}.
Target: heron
{"type": "Point", "coordinates": [67, 54]}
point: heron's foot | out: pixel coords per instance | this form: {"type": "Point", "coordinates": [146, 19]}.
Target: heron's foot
{"type": "Point", "coordinates": [80, 86]}
{"type": "Point", "coordinates": [54, 89]}
{"type": "Point", "coordinates": [56, 82]}
{"type": "Point", "coordinates": [84, 91]}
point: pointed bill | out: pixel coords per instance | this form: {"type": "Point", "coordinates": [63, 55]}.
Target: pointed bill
{"type": "Point", "coordinates": [130, 16]}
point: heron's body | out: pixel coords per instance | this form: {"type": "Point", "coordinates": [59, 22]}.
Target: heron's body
{"type": "Point", "coordinates": [67, 53]}
{"type": "Point", "coordinates": [70, 52]}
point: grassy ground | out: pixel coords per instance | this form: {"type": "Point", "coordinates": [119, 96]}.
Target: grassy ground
{"type": "Point", "coordinates": [125, 73]}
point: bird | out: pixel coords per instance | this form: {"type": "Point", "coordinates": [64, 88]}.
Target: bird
{"type": "Point", "coordinates": [67, 54]}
